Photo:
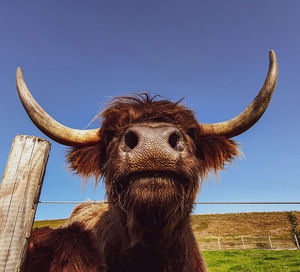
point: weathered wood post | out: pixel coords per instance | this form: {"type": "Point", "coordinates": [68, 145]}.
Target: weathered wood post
{"type": "Point", "coordinates": [19, 195]}
{"type": "Point", "coordinates": [270, 241]}
{"type": "Point", "coordinates": [297, 242]}
{"type": "Point", "coordinates": [243, 242]}
{"type": "Point", "coordinates": [219, 243]}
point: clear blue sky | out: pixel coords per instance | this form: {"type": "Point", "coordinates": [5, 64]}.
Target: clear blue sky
{"type": "Point", "coordinates": [76, 54]}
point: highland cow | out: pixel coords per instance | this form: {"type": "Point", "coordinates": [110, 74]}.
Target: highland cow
{"type": "Point", "coordinates": [153, 155]}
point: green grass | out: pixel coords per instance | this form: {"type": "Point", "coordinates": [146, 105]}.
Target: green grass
{"type": "Point", "coordinates": [253, 261]}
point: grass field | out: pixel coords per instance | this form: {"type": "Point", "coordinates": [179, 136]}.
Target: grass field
{"type": "Point", "coordinates": [253, 261]}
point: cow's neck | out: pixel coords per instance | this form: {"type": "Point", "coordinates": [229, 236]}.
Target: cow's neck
{"type": "Point", "coordinates": [153, 234]}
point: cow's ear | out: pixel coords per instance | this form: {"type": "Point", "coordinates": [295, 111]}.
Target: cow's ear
{"type": "Point", "coordinates": [215, 152]}
{"type": "Point", "coordinates": [86, 161]}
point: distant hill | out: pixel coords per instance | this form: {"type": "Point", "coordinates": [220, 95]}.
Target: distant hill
{"type": "Point", "coordinates": [250, 224]}
{"type": "Point", "coordinates": [55, 223]}
{"type": "Point", "coordinates": [274, 224]}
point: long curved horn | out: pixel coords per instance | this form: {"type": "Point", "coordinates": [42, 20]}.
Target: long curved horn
{"type": "Point", "coordinates": [50, 127]}
{"type": "Point", "coordinates": [252, 113]}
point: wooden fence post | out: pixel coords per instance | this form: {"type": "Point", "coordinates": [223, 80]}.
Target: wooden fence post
{"type": "Point", "coordinates": [270, 241]}
{"type": "Point", "coordinates": [219, 243]}
{"type": "Point", "coordinates": [297, 242]}
{"type": "Point", "coordinates": [243, 243]}
{"type": "Point", "coordinates": [19, 195]}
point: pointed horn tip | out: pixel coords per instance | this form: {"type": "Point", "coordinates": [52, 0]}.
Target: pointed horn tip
{"type": "Point", "coordinates": [19, 72]}
{"type": "Point", "coordinates": [272, 54]}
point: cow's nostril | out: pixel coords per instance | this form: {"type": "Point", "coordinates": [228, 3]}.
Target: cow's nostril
{"type": "Point", "coordinates": [174, 138]}
{"type": "Point", "coordinates": [131, 139]}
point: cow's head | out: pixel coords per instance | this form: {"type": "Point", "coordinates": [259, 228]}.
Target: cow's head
{"type": "Point", "coordinates": [150, 151]}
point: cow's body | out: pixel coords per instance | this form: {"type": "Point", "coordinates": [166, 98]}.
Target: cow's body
{"type": "Point", "coordinates": [73, 247]}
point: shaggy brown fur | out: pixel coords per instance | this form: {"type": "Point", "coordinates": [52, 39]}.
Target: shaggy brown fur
{"type": "Point", "coordinates": [65, 249]}
{"type": "Point", "coordinates": [146, 225]}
